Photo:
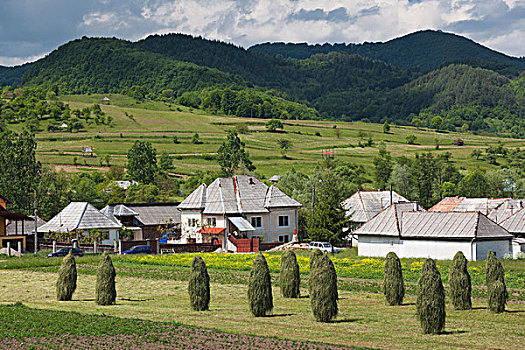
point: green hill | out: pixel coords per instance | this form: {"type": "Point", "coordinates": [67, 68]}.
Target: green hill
{"type": "Point", "coordinates": [423, 50]}
{"type": "Point", "coordinates": [338, 84]}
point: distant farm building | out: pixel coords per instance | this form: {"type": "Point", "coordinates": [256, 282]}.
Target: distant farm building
{"type": "Point", "coordinates": [438, 235]}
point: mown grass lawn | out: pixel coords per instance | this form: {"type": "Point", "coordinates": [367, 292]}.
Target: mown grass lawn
{"type": "Point", "coordinates": [158, 292]}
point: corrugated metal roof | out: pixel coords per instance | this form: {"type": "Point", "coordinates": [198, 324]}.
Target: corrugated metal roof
{"type": "Point", "coordinates": [156, 213]}
{"type": "Point", "coordinates": [237, 195]}
{"type": "Point", "coordinates": [78, 216]}
{"type": "Point", "coordinates": [275, 198]}
{"type": "Point", "coordinates": [196, 200]}
{"type": "Point", "coordinates": [405, 222]}
{"type": "Point", "coordinates": [386, 222]}
{"type": "Point", "coordinates": [506, 209]}
{"type": "Point", "coordinates": [241, 223]}
{"type": "Point", "coordinates": [364, 205]}
{"type": "Point", "coordinates": [458, 204]}
{"type": "Point", "coordinates": [515, 223]}
{"type": "Point", "coordinates": [29, 226]}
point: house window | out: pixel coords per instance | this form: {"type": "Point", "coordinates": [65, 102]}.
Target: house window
{"type": "Point", "coordinates": [283, 221]}
{"type": "Point", "coordinates": [284, 238]}
{"type": "Point", "coordinates": [257, 221]}
{"type": "Point", "coordinates": [192, 222]}
{"type": "Point", "coordinates": [211, 222]}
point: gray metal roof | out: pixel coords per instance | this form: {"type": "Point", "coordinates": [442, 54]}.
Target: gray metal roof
{"type": "Point", "coordinates": [118, 210]}
{"type": "Point", "coordinates": [155, 213]}
{"type": "Point", "coordinates": [241, 223]}
{"type": "Point", "coordinates": [79, 216]}
{"type": "Point", "coordinates": [515, 223]}
{"type": "Point", "coordinates": [29, 226]}
{"type": "Point", "coordinates": [364, 205]}
{"type": "Point", "coordinates": [386, 222]}
{"type": "Point", "coordinates": [237, 195]}
{"type": "Point", "coordinates": [506, 209]}
{"type": "Point", "coordinates": [432, 225]}
{"type": "Point", "coordinates": [483, 205]}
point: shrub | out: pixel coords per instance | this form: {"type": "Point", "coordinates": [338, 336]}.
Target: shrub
{"type": "Point", "coordinates": [430, 301]}
{"type": "Point", "coordinates": [260, 288]}
{"type": "Point", "coordinates": [495, 280]}
{"type": "Point", "coordinates": [393, 285]}
{"type": "Point", "coordinates": [106, 293]}
{"type": "Point", "coordinates": [67, 278]}
{"type": "Point", "coordinates": [199, 285]}
{"type": "Point", "coordinates": [289, 278]}
{"type": "Point", "coordinates": [323, 295]}
{"type": "Point", "coordinates": [460, 285]}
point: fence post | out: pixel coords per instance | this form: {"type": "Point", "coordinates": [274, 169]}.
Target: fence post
{"type": "Point", "coordinates": [158, 247]}
{"type": "Point", "coordinates": [120, 246]}
{"type": "Point", "coordinates": [95, 247]}
{"type": "Point", "coordinates": [54, 246]}
{"type": "Point", "coordinates": [19, 249]}
{"type": "Point", "coordinates": [8, 248]}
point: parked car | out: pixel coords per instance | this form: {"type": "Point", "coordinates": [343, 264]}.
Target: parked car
{"type": "Point", "coordinates": [137, 249]}
{"type": "Point", "coordinates": [325, 247]}
{"type": "Point", "coordinates": [65, 251]}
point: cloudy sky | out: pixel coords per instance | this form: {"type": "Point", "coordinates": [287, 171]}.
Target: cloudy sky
{"type": "Point", "coordinates": [29, 29]}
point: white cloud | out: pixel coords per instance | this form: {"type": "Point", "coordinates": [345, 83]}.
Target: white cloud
{"type": "Point", "coordinates": [500, 24]}
{"type": "Point", "coordinates": [16, 61]}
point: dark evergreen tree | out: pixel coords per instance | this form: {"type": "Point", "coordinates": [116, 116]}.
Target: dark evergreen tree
{"type": "Point", "coordinates": [329, 218]}
{"type": "Point", "coordinates": [106, 294]}
{"type": "Point", "coordinates": [289, 278]}
{"type": "Point", "coordinates": [199, 285]}
{"type": "Point", "coordinates": [430, 301]}
{"type": "Point", "coordinates": [460, 285]}
{"type": "Point", "coordinates": [260, 288]}
{"type": "Point", "coordinates": [323, 290]}
{"type": "Point", "coordinates": [393, 285]}
{"type": "Point", "coordinates": [495, 280]}
{"type": "Point", "coordinates": [67, 278]}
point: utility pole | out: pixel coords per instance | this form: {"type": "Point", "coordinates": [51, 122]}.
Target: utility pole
{"type": "Point", "coordinates": [36, 226]}
{"type": "Point", "coordinates": [313, 199]}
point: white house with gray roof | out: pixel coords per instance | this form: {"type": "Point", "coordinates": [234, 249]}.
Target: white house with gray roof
{"type": "Point", "coordinates": [82, 216]}
{"type": "Point", "coordinates": [438, 235]}
{"type": "Point", "coordinates": [241, 205]}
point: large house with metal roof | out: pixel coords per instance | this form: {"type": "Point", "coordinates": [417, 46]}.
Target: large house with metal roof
{"type": "Point", "coordinates": [364, 205]}
{"type": "Point", "coordinates": [410, 233]}
{"type": "Point", "coordinates": [242, 206]}
{"type": "Point", "coordinates": [80, 217]}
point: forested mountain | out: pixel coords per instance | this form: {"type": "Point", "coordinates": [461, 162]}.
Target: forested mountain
{"type": "Point", "coordinates": [423, 50]}
{"type": "Point", "coordinates": [482, 90]}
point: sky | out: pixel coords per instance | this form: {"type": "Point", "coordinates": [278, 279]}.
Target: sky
{"type": "Point", "coordinates": [30, 29]}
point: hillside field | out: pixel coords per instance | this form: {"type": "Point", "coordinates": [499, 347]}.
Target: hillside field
{"type": "Point", "coordinates": [158, 123]}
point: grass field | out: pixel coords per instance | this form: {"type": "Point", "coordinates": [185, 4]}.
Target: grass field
{"type": "Point", "coordinates": [158, 292]}
{"type": "Point", "coordinates": [159, 123]}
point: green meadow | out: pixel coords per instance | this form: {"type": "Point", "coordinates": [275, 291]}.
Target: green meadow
{"type": "Point", "coordinates": [159, 123]}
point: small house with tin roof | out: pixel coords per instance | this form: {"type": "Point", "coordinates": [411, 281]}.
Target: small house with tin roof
{"type": "Point", "coordinates": [438, 235]}
{"type": "Point", "coordinates": [242, 206]}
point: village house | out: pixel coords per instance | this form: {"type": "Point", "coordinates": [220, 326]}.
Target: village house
{"type": "Point", "coordinates": [241, 206]}
{"type": "Point", "coordinates": [80, 217]}
{"type": "Point", "coordinates": [411, 233]}
{"type": "Point", "coordinates": [364, 205]}
{"type": "Point", "coordinates": [146, 220]}
{"type": "Point", "coordinates": [497, 209]}
{"type": "Point", "coordinates": [12, 226]}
